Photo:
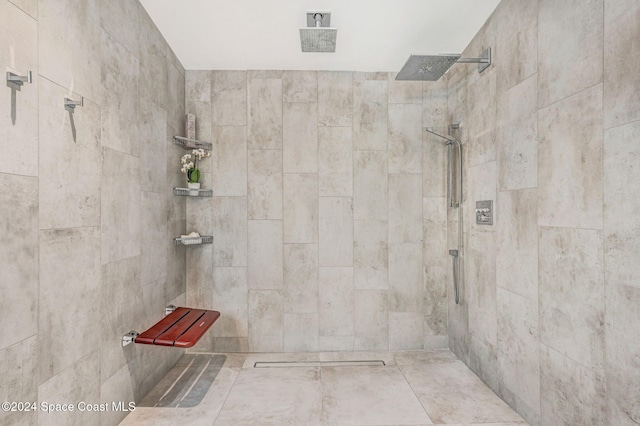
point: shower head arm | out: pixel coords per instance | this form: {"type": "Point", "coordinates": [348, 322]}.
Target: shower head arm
{"type": "Point", "coordinates": [484, 60]}
{"type": "Point", "coordinates": [449, 138]}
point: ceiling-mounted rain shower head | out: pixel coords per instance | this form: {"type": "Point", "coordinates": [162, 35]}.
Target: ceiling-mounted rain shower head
{"type": "Point", "coordinates": [432, 67]}
{"type": "Point", "coordinates": [318, 36]}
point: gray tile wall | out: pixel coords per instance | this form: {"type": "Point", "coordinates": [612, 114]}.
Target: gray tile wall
{"type": "Point", "coordinates": [329, 217]}
{"type": "Point", "coordinates": [87, 210]}
{"type": "Point", "coordinates": [550, 132]}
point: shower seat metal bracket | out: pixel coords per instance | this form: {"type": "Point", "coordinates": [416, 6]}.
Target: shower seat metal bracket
{"type": "Point", "coordinates": [70, 105]}
{"type": "Point", "coordinates": [16, 81]}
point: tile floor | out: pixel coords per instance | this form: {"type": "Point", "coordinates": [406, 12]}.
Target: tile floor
{"type": "Point", "coordinates": [412, 388]}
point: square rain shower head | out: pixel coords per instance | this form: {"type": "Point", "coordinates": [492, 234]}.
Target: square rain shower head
{"type": "Point", "coordinates": [318, 39]}
{"type": "Point", "coordinates": [319, 36]}
{"type": "Point", "coordinates": [426, 67]}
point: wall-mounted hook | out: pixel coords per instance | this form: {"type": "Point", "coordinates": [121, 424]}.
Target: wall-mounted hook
{"type": "Point", "coordinates": [19, 80]}
{"type": "Point", "coordinates": [70, 105]}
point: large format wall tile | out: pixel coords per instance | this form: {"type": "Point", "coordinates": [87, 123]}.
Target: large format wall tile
{"type": "Point", "coordinates": [120, 19]}
{"type": "Point", "coordinates": [265, 255]}
{"type": "Point", "coordinates": [77, 383]}
{"type": "Point", "coordinates": [621, 61]}
{"type": "Point", "coordinates": [20, 379]}
{"type": "Point", "coordinates": [120, 297]}
{"type": "Point", "coordinates": [480, 282]}
{"type": "Point", "coordinates": [434, 229]}
{"type": "Point", "coordinates": [121, 217]}
{"type": "Point", "coordinates": [198, 86]}
{"type": "Point", "coordinates": [335, 98]}
{"type": "Point", "coordinates": [120, 112]}
{"type": "Point", "coordinates": [301, 278]}
{"type": "Point", "coordinates": [300, 86]}
{"type": "Point", "coordinates": [152, 58]}
{"type": "Point", "coordinates": [265, 184]}
{"type": "Point", "coordinates": [480, 128]}
{"type": "Point", "coordinates": [153, 139]}
{"type": "Point", "coordinates": [301, 213]}
{"type": "Point", "coordinates": [265, 114]}
{"type": "Point", "coordinates": [406, 331]}
{"type": "Point", "coordinates": [622, 353]}
{"type": "Point", "coordinates": [29, 6]}
{"type": "Point", "coordinates": [405, 208]}
{"type": "Point", "coordinates": [405, 277]}
{"type": "Point", "coordinates": [621, 204]}
{"type": "Point", "coordinates": [230, 295]}
{"type": "Point", "coordinates": [571, 66]}
{"type": "Point", "coordinates": [229, 98]}
{"type": "Point", "coordinates": [434, 165]}
{"type": "Point", "coordinates": [518, 347]}
{"type": "Point", "coordinates": [336, 231]}
{"type": "Point", "coordinates": [517, 242]}
{"type": "Point", "coordinates": [229, 229]}
{"type": "Point", "coordinates": [570, 394]}
{"type": "Point", "coordinates": [370, 115]}
{"type": "Point", "coordinates": [19, 258]}
{"type": "Point", "coordinates": [570, 161]}
{"type": "Point", "coordinates": [335, 161]}
{"type": "Point", "coordinates": [301, 332]}
{"type": "Point", "coordinates": [228, 161]}
{"type": "Point", "coordinates": [300, 137]}
{"type": "Point", "coordinates": [70, 157]}
{"type": "Point", "coordinates": [404, 92]}
{"type": "Point", "coordinates": [371, 320]}
{"type": "Point", "coordinates": [266, 321]}
{"type": "Point", "coordinates": [517, 137]}
{"type": "Point", "coordinates": [68, 40]}
{"type": "Point", "coordinates": [517, 39]}
{"type": "Point", "coordinates": [19, 109]}
{"type": "Point", "coordinates": [336, 301]}
{"type": "Point", "coordinates": [405, 138]}
{"type": "Point", "coordinates": [69, 278]}
{"type": "Point", "coordinates": [370, 185]}
{"type": "Point", "coordinates": [572, 294]}
{"type": "Point", "coordinates": [370, 255]}
{"type": "Point", "coordinates": [155, 245]}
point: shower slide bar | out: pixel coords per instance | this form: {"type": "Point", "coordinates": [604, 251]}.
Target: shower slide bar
{"type": "Point", "coordinates": [180, 328]}
{"type": "Point", "coordinates": [454, 144]}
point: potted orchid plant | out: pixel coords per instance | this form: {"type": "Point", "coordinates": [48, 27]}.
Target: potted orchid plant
{"type": "Point", "coordinates": [190, 167]}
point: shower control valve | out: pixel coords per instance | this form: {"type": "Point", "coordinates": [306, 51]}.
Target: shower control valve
{"type": "Point", "coordinates": [484, 212]}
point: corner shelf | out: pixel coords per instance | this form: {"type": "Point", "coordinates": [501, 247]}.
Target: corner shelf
{"type": "Point", "coordinates": [195, 241]}
{"type": "Point", "coordinates": [187, 192]}
{"type": "Point", "coordinates": [187, 143]}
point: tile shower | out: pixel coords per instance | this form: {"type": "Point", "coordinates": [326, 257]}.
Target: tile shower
{"type": "Point", "coordinates": [329, 210]}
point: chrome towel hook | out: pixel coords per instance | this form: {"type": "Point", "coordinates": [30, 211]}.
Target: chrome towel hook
{"type": "Point", "coordinates": [19, 80]}
{"type": "Point", "coordinates": [70, 105]}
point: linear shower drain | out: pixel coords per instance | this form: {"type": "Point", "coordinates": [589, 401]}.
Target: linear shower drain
{"type": "Point", "coordinates": [290, 364]}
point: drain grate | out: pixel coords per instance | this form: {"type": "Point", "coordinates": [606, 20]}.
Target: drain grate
{"type": "Point", "coordinates": [293, 364]}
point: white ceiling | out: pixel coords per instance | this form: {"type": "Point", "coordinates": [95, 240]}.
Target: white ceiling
{"type": "Point", "coordinates": [373, 35]}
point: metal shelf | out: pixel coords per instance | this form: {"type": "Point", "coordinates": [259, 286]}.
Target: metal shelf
{"type": "Point", "coordinates": [187, 143]}
{"type": "Point", "coordinates": [204, 239]}
{"type": "Point", "coordinates": [187, 192]}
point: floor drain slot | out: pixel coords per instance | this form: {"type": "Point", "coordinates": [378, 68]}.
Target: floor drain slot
{"type": "Point", "coordinates": [293, 364]}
